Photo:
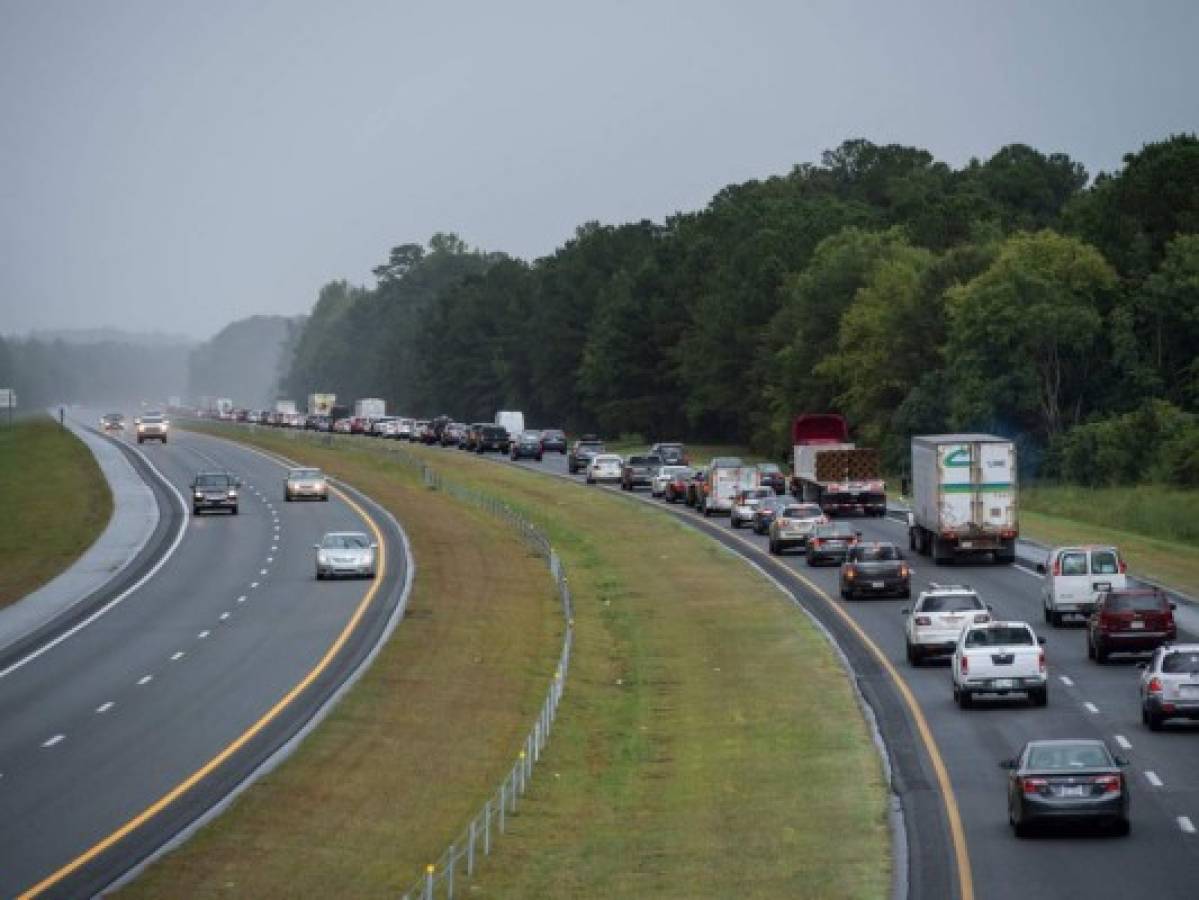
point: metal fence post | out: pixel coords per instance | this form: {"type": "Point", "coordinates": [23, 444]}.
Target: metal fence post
{"type": "Point", "coordinates": [429, 882]}
{"type": "Point", "coordinates": [470, 850]}
{"type": "Point", "coordinates": [487, 829]}
{"type": "Point", "coordinates": [449, 875]}
{"type": "Point", "coordinates": [503, 802]}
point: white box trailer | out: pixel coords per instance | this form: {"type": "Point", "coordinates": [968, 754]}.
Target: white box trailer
{"type": "Point", "coordinates": [721, 484]}
{"type": "Point", "coordinates": [963, 497]}
{"type": "Point", "coordinates": [370, 408]}
{"type": "Point", "coordinates": [285, 407]}
{"type": "Point", "coordinates": [512, 420]}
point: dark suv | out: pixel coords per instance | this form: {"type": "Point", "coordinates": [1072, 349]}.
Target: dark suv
{"type": "Point", "coordinates": [493, 437]}
{"type": "Point", "coordinates": [553, 440]}
{"type": "Point", "coordinates": [671, 454]}
{"type": "Point", "coordinates": [214, 490]}
{"type": "Point", "coordinates": [582, 452]}
{"type": "Point", "coordinates": [1130, 621]}
{"type": "Point", "coordinates": [527, 445]}
{"type": "Point", "coordinates": [639, 471]}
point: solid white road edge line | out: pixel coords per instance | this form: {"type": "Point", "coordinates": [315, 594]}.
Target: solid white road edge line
{"type": "Point", "coordinates": [115, 601]}
{"type": "Point", "coordinates": [105, 707]}
{"type": "Point", "coordinates": [1185, 824]}
{"type": "Point", "coordinates": [145, 679]}
{"type": "Point", "coordinates": [1090, 707]}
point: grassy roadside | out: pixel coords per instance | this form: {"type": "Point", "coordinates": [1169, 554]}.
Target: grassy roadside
{"type": "Point", "coordinates": [56, 503]}
{"type": "Point", "coordinates": [403, 762]}
{"type": "Point", "coordinates": [709, 745]}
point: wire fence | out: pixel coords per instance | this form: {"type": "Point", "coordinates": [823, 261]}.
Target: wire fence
{"type": "Point", "coordinates": [458, 861]}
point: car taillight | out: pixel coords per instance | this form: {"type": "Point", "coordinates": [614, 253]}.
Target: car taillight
{"type": "Point", "coordinates": [1041, 661]}
{"type": "Point", "coordinates": [923, 620]}
{"type": "Point", "coordinates": [965, 664]}
{"type": "Point", "coordinates": [783, 523]}
{"type": "Point", "coordinates": [1033, 785]}
{"type": "Point", "coordinates": [1155, 685]}
{"type": "Point", "coordinates": [1057, 567]}
{"type": "Point", "coordinates": [981, 618]}
{"type": "Point", "coordinates": [904, 571]}
{"type": "Point", "coordinates": [1110, 784]}
{"type": "Point", "coordinates": [851, 572]}
{"type": "Point", "coordinates": [816, 542]}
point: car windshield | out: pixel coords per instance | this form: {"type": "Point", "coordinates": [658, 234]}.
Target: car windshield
{"type": "Point", "coordinates": [212, 481]}
{"type": "Point", "coordinates": [305, 474]}
{"type": "Point", "coordinates": [151, 420]}
{"type": "Point", "coordinates": [345, 542]}
{"type": "Point", "coordinates": [1104, 562]}
{"type": "Point", "coordinates": [551, 433]}
{"type": "Point", "coordinates": [1069, 756]}
{"type": "Point", "coordinates": [113, 417]}
{"type": "Point", "coordinates": [591, 446]}
{"type": "Point", "coordinates": [759, 493]}
{"type": "Point", "coordinates": [881, 553]}
{"type": "Point", "coordinates": [725, 462]}
{"type": "Point", "coordinates": [677, 471]}
{"type": "Point", "coordinates": [1150, 601]}
{"type": "Point", "coordinates": [834, 530]}
{"type": "Point", "coordinates": [645, 460]}
{"type": "Point", "coordinates": [1181, 661]}
{"type": "Point", "coordinates": [495, 431]}
{"type": "Point", "coordinates": [771, 504]}
{"type": "Point", "coordinates": [768, 468]}
{"type": "Point", "coordinates": [1001, 636]}
{"type": "Point", "coordinates": [530, 436]}
{"type": "Point", "coordinates": [950, 603]}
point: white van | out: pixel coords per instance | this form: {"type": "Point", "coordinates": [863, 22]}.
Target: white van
{"type": "Point", "coordinates": [512, 420]}
{"type": "Point", "coordinates": [1074, 577]}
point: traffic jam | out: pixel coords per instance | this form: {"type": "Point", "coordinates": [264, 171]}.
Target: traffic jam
{"type": "Point", "coordinates": [961, 603]}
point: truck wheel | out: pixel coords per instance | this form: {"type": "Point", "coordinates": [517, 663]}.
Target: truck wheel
{"type": "Point", "coordinates": [1039, 697]}
{"type": "Point", "coordinates": [964, 698]}
{"type": "Point", "coordinates": [1090, 646]}
{"type": "Point", "coordinates": [234, 510]}
{"type": "Point", "coordinates": [1055, 619]}
{"type": "Point", "coordinates": [735, 522]}
{"type": "Point", "coordinates": [1100, 653]}
{"type": "Point", "coordinates": [775, 549]}
{"type": "Point", "coordinates": [1153, 720]}
{"type": "Point", "coordinates": [940, 556]}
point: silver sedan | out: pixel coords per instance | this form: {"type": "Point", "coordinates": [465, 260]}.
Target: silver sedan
{"type": "Point", "coordinates": [345, 553]}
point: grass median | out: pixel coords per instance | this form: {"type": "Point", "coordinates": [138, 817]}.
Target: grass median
{"type": "Point", "coordinates": [406, 758]}
{"type": "Point", "coordinates": [56, 503]}
{"type": "Point", "coordinates": [709, 743]}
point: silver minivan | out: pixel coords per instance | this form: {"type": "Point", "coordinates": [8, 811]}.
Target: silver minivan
{"type": "Point", "coordinates": [1074, 578]}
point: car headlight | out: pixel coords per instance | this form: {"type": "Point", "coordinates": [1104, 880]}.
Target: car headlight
{"type": "Point", "coordinates": [233, 495]}
{"type": "Point", "coordinates": [322, 556]}
{"type": "Point", "coordinates": [199, 495]}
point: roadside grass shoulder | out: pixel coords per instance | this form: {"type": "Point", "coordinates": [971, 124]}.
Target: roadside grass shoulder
{"type": "Point", "coordinates": [407, 757]}
{"type": "Point", "coordinates": [56, 503]}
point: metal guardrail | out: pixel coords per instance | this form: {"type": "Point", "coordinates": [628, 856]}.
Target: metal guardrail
{"type": "Point", "coordinates": [457, 863]}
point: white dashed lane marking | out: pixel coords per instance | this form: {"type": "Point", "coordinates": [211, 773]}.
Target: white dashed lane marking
{"type": "Point", "coordinates": [1186, 825]}
{"type": "Point", "coordinates": [105, 707]}
{"type": "Point", "coordinates": [253, 584]}
{"type": "Point", "coordinates": [57, 739]}
{"type": "Point", "coordinates": [1067, 680]}
{"type": "Point", "coordinates": [241, 599]}
{"type": "Point", "coordinates": [202, 635]}
{"type": "Point", "coordinates": [176, 656]}
{"type": "Point", "coordinates": [1090, 707]}
{"type": "Point", "coordinates": [145, 679]}
{"type": "Point", "coordinates": [1124, 742]}
{"type": "Point", "coordinates": [224, 616]}
{"type": "Point", "coordinates": [1152, 778]}
{"type": "Point", "coordinates": [262, 571]}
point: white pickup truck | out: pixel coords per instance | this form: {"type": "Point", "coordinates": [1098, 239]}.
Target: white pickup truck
{"type": "Point", "coordinates": [999, 658]}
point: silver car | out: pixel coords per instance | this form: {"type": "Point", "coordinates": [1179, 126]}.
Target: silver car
{"type": "Point", "coordinates": [305, 483]}
{"type": "Point", "coordinates": [1170, 685]}
{"type": "Point", "coordinates": [345, 553]}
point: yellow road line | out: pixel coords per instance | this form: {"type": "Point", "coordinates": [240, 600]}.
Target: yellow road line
{"type": "Point", "coordinates": [204, 771]}
{"type": "Point", "coordinates": [956, 829]}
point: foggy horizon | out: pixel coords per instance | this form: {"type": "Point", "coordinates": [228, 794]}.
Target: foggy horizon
{"type": "Point", "coordinates": [172, 169]}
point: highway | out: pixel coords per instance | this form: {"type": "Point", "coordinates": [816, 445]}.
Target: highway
{"type": "Point", "coordinates": [124, 732]}
{"type": "Point", "coordinates": [1159, 859]}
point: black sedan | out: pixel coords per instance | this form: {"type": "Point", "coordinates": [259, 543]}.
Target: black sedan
{"type": "Point", "coordinates": [1066, 782]}
{"type": "Point", "coordinates": [527, 446]}
{"type": "Point", "coordinates": [765, 513]}
{"type": "Point", "coordinates": [553, 440]}
{"type": "Point", "coordinates": [875, 569]}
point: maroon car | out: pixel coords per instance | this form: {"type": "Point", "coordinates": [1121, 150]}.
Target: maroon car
{"type": "Point", "coordinates": [1130, 621]}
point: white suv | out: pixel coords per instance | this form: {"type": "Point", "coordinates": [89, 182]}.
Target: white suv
{"type": "Point", "coordinates": [938, 617]}
{"type": "Point", "coordinates": [1074, 578]}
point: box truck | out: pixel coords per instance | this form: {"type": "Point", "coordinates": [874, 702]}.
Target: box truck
{"type": "Point", "coordinates": [963, 497]}
{"type": "Point", "coordinates": [513, 421]}
{"type": "Point", "coordinates": [831, 471]}
{"type": "Point", "coordinates": [370, 408]}
{"type": "Point", "coordinates": [721, 483]}
{"type": "Point", "coordinates": [285, 407]}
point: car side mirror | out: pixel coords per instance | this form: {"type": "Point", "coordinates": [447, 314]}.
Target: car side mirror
{"type": "Point", "coordinates": [1040, 568]}
{"type": "Point", "coordinates": [1007, 764]}
{"type": "Point", "coordinates": [858, 535]}
{"type": "Point", "coordinates": [316, 546]}
{"type": "Point", "coordinates": [990, 608]}
{"type": "Point", "coordinates": [192, 485]}
{"type": "Point", "coordinates": [1041, 641]}
{"type": "Point", "coordinates": [1121, 761]}
{"type": "Point", "coordinates": [374, 546]}
{"type": "Point", "coordinates": [1142, 665]}
{"type": "Point", "coordinates": [1173, 605]}
{"type": "Point", "coordinates": [238, 482]}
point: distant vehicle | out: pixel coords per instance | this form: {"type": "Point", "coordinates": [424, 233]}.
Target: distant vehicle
{"type": "Point", "coordinates": [1066, 782]}
{"type": "Point", "coordinates": [934, 623]}
{"type": "Point", "coordinates": [404, 428]}
{"type": "Point", "coordinates": [793, 525]}
{"type": "Point", "coordinates": [830, 541]}
{"type": "Point", "coordinates": [370, 408]}
{"type": "Point", "coordinates": [305, 483]}
{"type": "Point", "coordinates": [664, 476]}
{"type": "Point", "coordinates": [512, 421]}
{"type": "Point", "coordinates": [347, 553]}
{"type": "Point", "coordinates": [830, 470]}
{"type": "Point", "coordinates": [695, 488]}
{"type": "Point", "coordinates": [1075, 577]}
{"type": "Point", "coordinates": [112, 422]}
{"type": "Point", "coordinates": [151, 426]}
{"type": "Point", "coordinates": [771, 476]}
{"type": "Point", "coordinates": [999, 658]}
{"type": "Point", "coordinates": [285, 407]}
{"type": "Point", "coordinates": [493, 438]}
{"type": "Point", "coordinates": [963, 497]}
{"type": "Point", "coordinates": [383, 427]}
{"type": "Point", "coordinates": [419, 428]}
{"type": "Point", "coordinates": [639, 471]}
{"type": "Point", "coordinates": [582, 452]}
{"type": "Point", "coordinates": [341, 426]}
{"type": "Point", "coordinates": [721, 484]}
{"type": "Point", "coordinates": [745, 503]}
{"type": "Point", "coordinates": [474, 434]}
{"type": "Point", "coordinates": [672, 454]}
{"type": "Point", "coordinates": [675, 489]}
{"type": "Point", "coordinates": [553, 440]}
{"type": "Point", "coordinates": [766, 512]}
{"type": "Point", "coordinates": [321, 404]}
{"type": "Point", "coordinates": [1170, 685]}
{"type": "Point", "coordinates": [875, 569]}
{"type": "Point", "coordinates": [1130, 621]}
{"type": "Point", "coordinates": [224, 408]}
{"type": "Point", "coordinates": [604, 467]}
{"type": "Point", "coordinates": [214, 490]}
{"type": "Point", "coordinates": [527, 446]}
{"type": "Point", "coordinates": [453, 434]}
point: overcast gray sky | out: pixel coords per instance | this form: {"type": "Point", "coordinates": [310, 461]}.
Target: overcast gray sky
{"type": "Point", "coordinates": [169, 165]}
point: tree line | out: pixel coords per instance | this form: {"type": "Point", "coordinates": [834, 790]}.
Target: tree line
{"type": "Point", "coordinates": [1011, 295]}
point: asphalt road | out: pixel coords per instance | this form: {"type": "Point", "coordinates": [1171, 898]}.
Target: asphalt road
{"type": "Point", "coordinates": [1160, 858]}
{"type": "Point", "coordinates": [98, 730]}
